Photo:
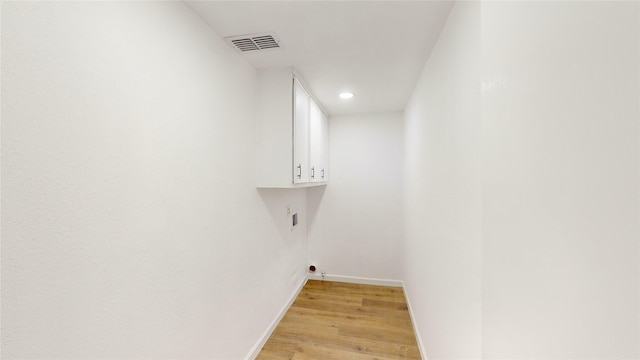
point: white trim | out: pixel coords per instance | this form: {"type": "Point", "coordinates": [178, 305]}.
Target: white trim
{"type": "Point", "coordinates": [423, 353]}
{"type": "Point", "coordinates": [267, 333]}
{"type": "Point", "coordinates": [356, 280]}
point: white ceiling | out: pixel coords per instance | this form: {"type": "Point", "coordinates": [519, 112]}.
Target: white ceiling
{"type": "Point", "coordinates": [375, 49]}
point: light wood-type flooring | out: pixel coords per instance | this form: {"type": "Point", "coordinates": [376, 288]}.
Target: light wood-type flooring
{"type": "Point", "coordinates": [335, 320]}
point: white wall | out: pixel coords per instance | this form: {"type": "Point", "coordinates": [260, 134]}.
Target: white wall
{"type": "Point", "coordinates": [560, 180]}
{"type": "Point", "coordinates": [528, 200]}
{"type": "Point", "coordinates": [355, 222]}
{"type": "Point", "coordinates": [131, 227]}
{"type": "Point", "coordinates": [442, 199]}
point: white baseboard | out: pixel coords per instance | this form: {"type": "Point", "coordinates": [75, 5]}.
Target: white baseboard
{"type": "Point", "coordinates": [423, 353]}
{"type": "Point", "coordinates": [356, 280]}
{"type": "Point", "coordinates": [267, 333]}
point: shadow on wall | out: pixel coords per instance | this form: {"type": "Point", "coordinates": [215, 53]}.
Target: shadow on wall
{"type": "Point", "coordinates": [314, 198]}
{"type": "Point", "coordinates": [282, 205]}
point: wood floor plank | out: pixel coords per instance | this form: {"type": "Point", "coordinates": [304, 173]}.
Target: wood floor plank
{"type": "Point", "coordinates": [387, 335]}
{"type": "Point", "coordinates": [302, 314]}
{"type": "Point", "coordinates": [277, 354]}
{"type": "Point", "coordinates": [346, 343]}
{"type": "Point", "coordinates": [356, 289]}
{"type": "Point", "coordinates": [386, 304]}
{"type": "Point", "coordinates": [321, 352]}
{"type": "Point", "coordinates": [327, 297]}
{"type": "Point", "coordinates": [352, 309]}
{"type": "Point", "coordinates": [332, 320]}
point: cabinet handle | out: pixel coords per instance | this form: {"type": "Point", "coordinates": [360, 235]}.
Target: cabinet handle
{"type": "Point", "coordinates": [323, 173]}
{"type": "Point", "coordinates": [313, 172]}
{"type": "Point", "coordinates": [299, 171]}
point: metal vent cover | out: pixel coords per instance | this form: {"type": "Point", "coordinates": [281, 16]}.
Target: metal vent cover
{"type": "Point", "coordinates": [254, 42]}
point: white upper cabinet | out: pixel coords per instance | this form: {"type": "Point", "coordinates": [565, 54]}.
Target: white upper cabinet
{"type": "Point", "coordinates": [318, 144]}
{"type": "Point", "coordinates": [291, 134]}
{"type": "Point", "coordinates": [301, 127]}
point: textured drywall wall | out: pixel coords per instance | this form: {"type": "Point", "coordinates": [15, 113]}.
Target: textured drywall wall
{"type": "Point", "coordinates": [442, 199]}
{"type": "Point", "coordinates": [560, 180]}
{"type": "Point", "coordinates": [131, 227]}
{"type": "Point", "coordinates": [521, 191]}
{"type": "Point", "coordinates": [355, 222]}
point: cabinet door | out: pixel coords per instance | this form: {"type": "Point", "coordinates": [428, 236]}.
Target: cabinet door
{"type": "Point", "coordinates": [324, 143]}
{"type": "Point", "coordinates": [300, 134]}
{"type": "Point", "coordinates": [317, 136]}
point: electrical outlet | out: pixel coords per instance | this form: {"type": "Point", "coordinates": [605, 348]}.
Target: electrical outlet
{"type": "Point", "coordinates": [288, 210]}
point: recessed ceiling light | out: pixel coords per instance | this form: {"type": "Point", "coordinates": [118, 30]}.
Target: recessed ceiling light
{"type": "Point", "coordinates": [346, 95]}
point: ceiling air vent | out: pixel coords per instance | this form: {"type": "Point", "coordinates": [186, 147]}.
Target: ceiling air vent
{"type": "Point", "coordinates": [254, 42]}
